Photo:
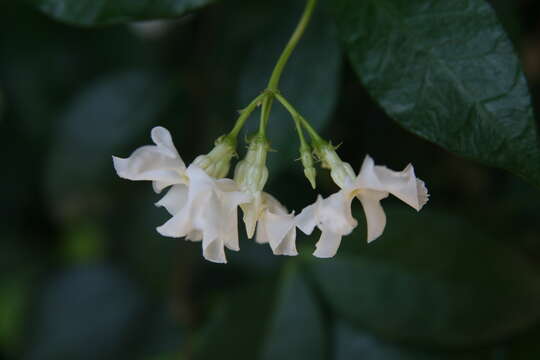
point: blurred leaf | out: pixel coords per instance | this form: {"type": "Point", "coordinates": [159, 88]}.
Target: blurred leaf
{"type": "Point", "coordinates": [312, 88]}
{"type": "Point", "coordinates": [352, 344]}
{"type": "Point", "coordinates": [433, 279]}
{"type": "Point", "coordinates": [446, 71]}
{"type": "Point", "coordinates": [102, 12]}
{"type": "Point", "coordinates": [161, 336]}
{"type": "Point", "coordinates": [296, 331]}
{"type": "Point", "coordinates": [84, 243]}
{"type": "Point", "coordinates": [43, 63]}
{"type": "Point", "coordinates": [99, 122]}
{"type": "Point", "coordinates": [237, 326]}
{"type": "Point", "coordinates": [15, 292]}
{"type": "Point", "coordinates": [525, 347]}
{"type": "Point", "coordinates": [255, 325]}
{"type": "Point", "coordinates": [141, 246]}
{"type": "Point", "coordinates": [86, 313]}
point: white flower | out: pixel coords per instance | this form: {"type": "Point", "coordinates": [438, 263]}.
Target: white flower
{"type": "Point", "coordinates": [203, 208]}
{"type": "Point", "coordinates": [158, 163]}
{"type": "Point", "coordinates": [263, 212]}
{"type": "Point", "coordinates": [373, 183]}
{"type": "Point", "coordinates": [275, 225]}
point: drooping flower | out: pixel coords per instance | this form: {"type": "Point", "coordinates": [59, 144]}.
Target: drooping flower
{"type": "Point", "coordinates": [203, 208]}
{"type": "Point", "coordinates": [265, 214]}
{"type": "Point", "coordinates": [332, 215]}
{"type": "Point", "coordinates": [159, 163]}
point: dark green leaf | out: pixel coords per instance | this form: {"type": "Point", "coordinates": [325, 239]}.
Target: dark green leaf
{"type": "Point", "coordinates": [296, 330]}
{"type": "Point", "coordinates": [432, 279]}
{"type": "Point", "coordinates": [99, 122]}
{"type": "Point", "coordinates": [310, 80]}
{"type": "Point", "coordinates": [254, 324]}
{"type": "Point", "coordinates": [237, 326]}
{"type": "Point", "coordinates": [446, 71]}
{"type": "Point", "coordinates": [353, 344]}
{"type": "Point", "coordinates": [101, 12]}
{"type": "Point", "coordinates": [525, 347]}
{"type": "Point", "coordinates": [86, 313]}
{"type": "Point", "coordinates": [15, 295]}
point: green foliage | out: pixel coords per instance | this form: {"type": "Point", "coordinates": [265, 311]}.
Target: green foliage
{"type": "Point", "coordinates": [284, 324]}
{"type": "Point", "coordinates": [103, 299]}
{"type": "Point", "coordinates": [433, 284]}
{"type": "Point", "coordinates": [86, 276]}
{"type": "Point", "coordinates": [352, 343]}
{"type": "Point", "coordinates": [296, 330]}
{"type": "Point", "coordinates": [123, 103]}
{"type": "Point", "coordinates": [103, 12]}
{"type": "Point", "coordinates": [446, 71]}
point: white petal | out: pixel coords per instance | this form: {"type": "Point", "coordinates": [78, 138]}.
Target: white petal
{"type": "Point", "coordinates": [175, 199]}
{"type": "Point", "coordinates": [402, 184]}
{"type": "Point", "coordinates": [163, 139]}
{"type": "Point", "coordinates": [423, 195]}
{"type": "Point", "coordinates": [195, 235]}
{"type": "Point", "coordinates": [209, 213]}
{"type": "Point", "coordinates": [306, 220]}
{"type": "Point", "coordinates": [334, 213]}
{"type": "Point", "coordinates": [229, 234]}
{"type": "Point", "coordinates": [159, 163]}
{"type": "Point", "coordinates": [252, 211]}
{"type": "Point", "coordinates": [261, 235]}
{"type": "Point", "coordinates": [279, 231]}
{"type": "Point", "coordinates": [327, 245]}
{"type": "Point", "coordinates": [179, 225]}
{"type": "Point", "coordinates": [288, 244]}
{"type": "Point", "coordinates": [375, 216]}
{"type": "Point", "coordinates": [213, 250]}
{"type": "Point", "coordinates": [273, 205]}
{"type": "Point", "coordinates": [210, 222]}
{"type": "Point", "coordinates": [189, 218]}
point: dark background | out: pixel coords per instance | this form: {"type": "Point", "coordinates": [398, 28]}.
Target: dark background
{"type": "Point", "coordinates": [86, 276]}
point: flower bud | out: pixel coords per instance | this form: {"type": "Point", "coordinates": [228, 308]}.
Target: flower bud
{"type": "Point", "coordinates": [341, 172]}
{"type": "Point", "coordinates": [251, 173]}
{"type": "Point", "coordinates": [217, 162]}
{"type": "Point", "coordinates": [307, 162]}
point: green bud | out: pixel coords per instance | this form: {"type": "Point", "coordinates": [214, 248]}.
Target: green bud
{"type": "Point", "coordinates": [340, 171]}
{"type": "Point", "coordinates": [307, 162]}
{"type": "Point", "coordinates": [217, 162]}
{"type": "Point", "coordinates": [251, 173]}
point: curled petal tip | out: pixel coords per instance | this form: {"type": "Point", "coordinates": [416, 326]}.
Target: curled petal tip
{"type": "Point", "coordinates": [423, 195]}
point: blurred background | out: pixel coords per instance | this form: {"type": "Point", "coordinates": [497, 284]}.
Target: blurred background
{"type": "Point", "coordinates": [86, 276]}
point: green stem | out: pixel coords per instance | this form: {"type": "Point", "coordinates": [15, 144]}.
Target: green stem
{"type": "Point", "coordinates": [265, 114]}
{"type": "Point", "coordinates": [244, 113]}
{"type": "Point", "coordinates": [298, 126]}
{"type": "Point", "coordinates": [266, 98]}
{"type": "Point", "coordinates": [296, 115]}
{"type": "Point", "coordinates": [289, 48]}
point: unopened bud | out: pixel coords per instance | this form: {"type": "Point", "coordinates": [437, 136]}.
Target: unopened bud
{"type": "Point", "coordinates": [341, 172]}
{"type": "Point", "coordinates": [307, 162]}
{"type": "Point", "coordinates": [251, 173]}
{"type": "Point", "coordinates": [217, 162]}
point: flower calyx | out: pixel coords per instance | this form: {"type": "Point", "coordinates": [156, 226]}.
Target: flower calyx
{"type": "Point", "coordinates": [341, 172]}
{"type": "Point", "coordinates": [218, 161]}
{"type": "Point", "coordinates": [251, 173]}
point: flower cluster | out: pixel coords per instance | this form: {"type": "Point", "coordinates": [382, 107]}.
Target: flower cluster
{"type": "Point", "coordinates": [203, 203]}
